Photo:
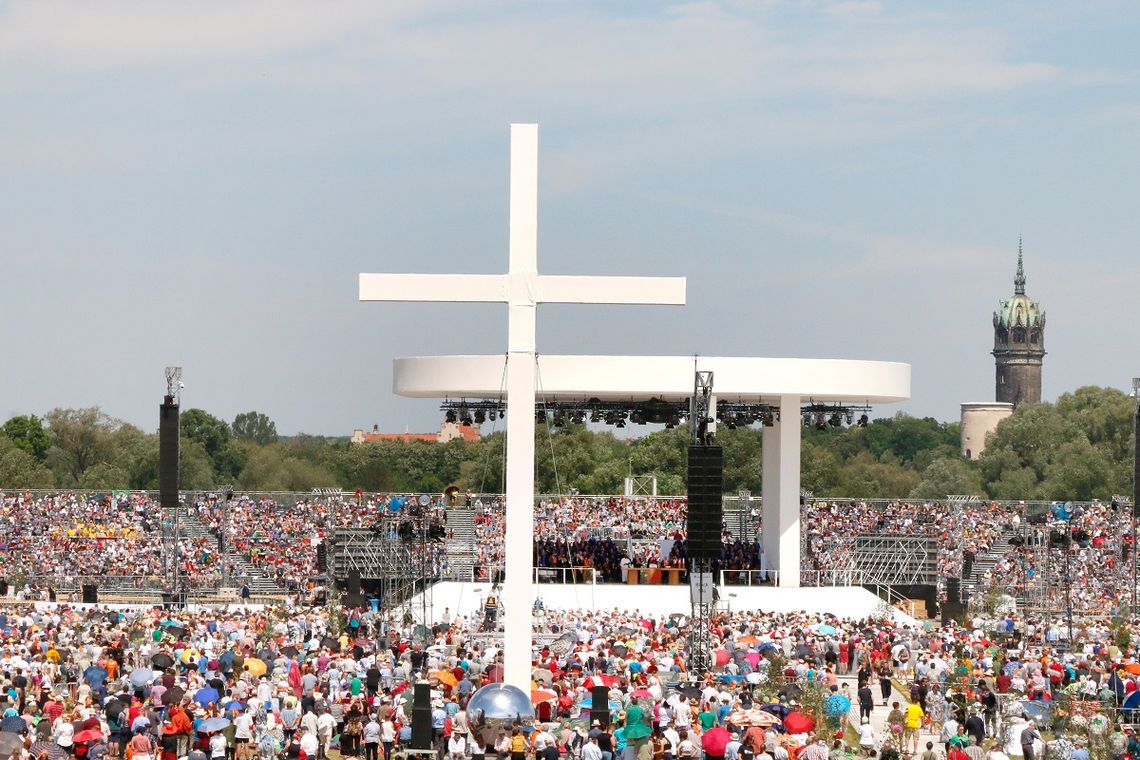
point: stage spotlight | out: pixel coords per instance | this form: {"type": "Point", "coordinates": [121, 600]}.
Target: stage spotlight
{"type": "Point", "coordinates": [480, 416]}
{"type": "Point", "coordinates": [502, 414]}
{"type": "Point", "coordinates": [849, 416]}
{"type": "Point", "coordinates": [450, 416]}
{"type": "Point", "coordinates": [863, 421]}
{"type": "Point", "coordinates": [540, 416]}
{"type": "Point", "coordinates": [820, 421]}
{"type": "Point", "coordinates": [595, 415]}
{"type": "Point", "coordinates": [835, 420]}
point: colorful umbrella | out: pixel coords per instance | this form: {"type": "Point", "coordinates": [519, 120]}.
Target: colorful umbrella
{"type": "Point", "coordinates": [206, 696]}
{"type": "Point", "coordinates": [445, 677]}
{"type": "Point", "coordinates": [715, 740]}
{"type": "Point", "coordinates": [141, 676]}
{"type": "Point", "coordinates": [538, 696]}
{"type": "Point", "coordinates": [600, 679]}
{"type": "Point", "coordinates": [162, 660]}
{"type": "Point", "coordinates": [173, 695]}
{"type": "Point", "coordinates": [256, 667]}
{"type": "Point", "coordinates": [90, 735]}
{"type": "Point", "coordinates": [213, 725]}
{"type": "Point", "coordinates": [641, 694]}
{"type": "Point", "coordinates": [836, 705]}
{"type": "Point", "coordinates": [798, 723]}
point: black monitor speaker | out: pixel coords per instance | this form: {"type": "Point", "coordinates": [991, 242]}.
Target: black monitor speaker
{"type": "Point", "coordinates": [90, 593]}
{"type": "Point", "coordinates": [421, 717]}
{"type": "Point", "coordinates": [600, 705]}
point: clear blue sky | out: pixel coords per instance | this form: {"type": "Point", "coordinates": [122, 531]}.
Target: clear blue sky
{"type": "Point", "coordinates": [200, 183]}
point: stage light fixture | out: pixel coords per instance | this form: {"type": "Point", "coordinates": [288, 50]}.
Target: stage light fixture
{"type": "Point", "coordinates": [450, 416]}
{"type": "Point", "coordinates": [480, 416]}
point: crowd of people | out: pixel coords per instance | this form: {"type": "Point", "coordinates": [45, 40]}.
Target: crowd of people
{"type": "Point", "coordinates": [302, 683]}
{"type": "Point", "coordinates": [59, 538]}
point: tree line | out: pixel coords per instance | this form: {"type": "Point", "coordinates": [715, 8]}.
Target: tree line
{"type": "Point", "coordinates": [1077, 448]}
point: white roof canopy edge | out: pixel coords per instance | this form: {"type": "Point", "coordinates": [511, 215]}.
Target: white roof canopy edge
{"type": "Point", "coordinates": [668, 377]}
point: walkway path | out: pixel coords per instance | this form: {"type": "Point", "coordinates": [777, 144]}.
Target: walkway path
{"type": "Point", "coordinates": [880, 712]}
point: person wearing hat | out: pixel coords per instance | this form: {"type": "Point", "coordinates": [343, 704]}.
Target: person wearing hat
{"type": "Point", "coordinates": [637, 733]}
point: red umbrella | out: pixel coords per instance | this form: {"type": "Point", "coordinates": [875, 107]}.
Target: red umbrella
{"type": "Point", "coordinates": [89, 735]}
{"type": "Point", "coordinates": [798, 723]}
{"type": "Point", "coordinates": [600, 680]}
{"type": "Point", "coordinates": [722, 657]}
{"type": "Point", "coordinates": [641, 694]}
{"type": "Point", "coordinates": [715, 740]}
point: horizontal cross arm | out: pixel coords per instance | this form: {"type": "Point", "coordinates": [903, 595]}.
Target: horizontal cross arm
{"type": "Point", "coordinates": [465, 288]}
{"type": "Point", "coordinates": [615, 290]}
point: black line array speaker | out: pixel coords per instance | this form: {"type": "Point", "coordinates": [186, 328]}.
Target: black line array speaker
{"type": "Point", "coordinates": [600, 705]}
{"type": "Point", "coordinates": [421, 717]}
{"type": "Point", "coordinates": [90, 593]}
{"type": "Point", "coordinates": [168, 453]}
{"type": "Point", "coordinates": [353, 582]}
{"type": "Point", "coordinates": [322, 557]}
{"type": "Point", "coordinates": [706, 492]}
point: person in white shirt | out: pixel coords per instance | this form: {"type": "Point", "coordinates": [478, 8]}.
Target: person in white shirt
{"type": "Point", "coordinates": [866, 735]}
{"type": "Point", "coordinates": [457, 746]}
{"type": "Point", "coordinates": [218, 745]}
{"type": "Point", "coordinates": [243, 732]}
{"type": "Point", "coordinates": [370, 737]}
{"type": "Point", "coordinates": [326, 725]}
{"type": "Point", "coordinates": [591, 750]}
{"type": "Point", "coordinates": [309, 744]}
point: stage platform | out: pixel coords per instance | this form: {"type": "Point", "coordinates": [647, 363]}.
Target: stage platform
{"type": "Point", "coordinates": [844, 601]}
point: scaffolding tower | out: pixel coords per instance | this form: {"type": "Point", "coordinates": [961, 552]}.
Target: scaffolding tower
{"type": "Point", "coordinates": [896, 560]}
{"type": "Point", "coordinates": [397, 557]}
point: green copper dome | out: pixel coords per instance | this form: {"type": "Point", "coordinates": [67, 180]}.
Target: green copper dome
{"type": "Point", "coordinates": [1019, 310]}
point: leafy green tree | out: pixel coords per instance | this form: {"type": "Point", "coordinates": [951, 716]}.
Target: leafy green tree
{"type": "Point", "coordinates": [820, 469]}
{"type": "Point", "coordinates": [742, 458]}
{"type": "Point", "coordinates": [195, 471]}
{"type": "Point", "coordinates": [103, 476]}
{"type": "Point", "coordinates": [27, 433]}
{"type": "Point", "coordinates": [863, 477]}
{"type": "Point", "coordinates": [256, 427]}
{"type": "Point", "coordinates": [272, 469]}
{"type": "Point", "coordinates": [81, 438]}
{"type": "Point", "coordinates": [203, 427]}
{"type": "Point", "coordinates": [1081, 471]}
{"type": "Point", "coordinates": [1031, 438]}
{"type": "Point", "coordinates": [664, 455]}
{"type": "Point", "coordinates": [19, 469]}
{"type": "Point", "coordinates": [1104, 415]}
{"type": "Point", "coordinates": [946, 476]}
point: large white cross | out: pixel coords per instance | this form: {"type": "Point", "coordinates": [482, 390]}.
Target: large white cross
{"type": "Point", "coordinates": [522, 289]}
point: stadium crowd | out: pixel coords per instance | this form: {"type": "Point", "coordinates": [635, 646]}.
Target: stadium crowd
{"type": "Point", "coordinates": [52, 538]}
{"type": "Point", "coordinates": [300, 683]}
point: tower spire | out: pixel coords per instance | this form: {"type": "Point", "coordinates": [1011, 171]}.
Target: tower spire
{"type": "Point", "coordinates": [1019, 280]}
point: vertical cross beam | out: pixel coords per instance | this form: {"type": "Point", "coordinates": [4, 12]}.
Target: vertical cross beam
{"type": "Point", "coordinates": [522, 279]}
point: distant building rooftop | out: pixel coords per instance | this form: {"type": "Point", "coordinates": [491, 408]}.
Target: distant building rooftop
{"type": "Point", "coordinates": [449, 431]}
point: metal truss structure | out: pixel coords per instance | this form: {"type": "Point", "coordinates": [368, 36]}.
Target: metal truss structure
{"type": "Point", "coordinates": [731, 414]}
{"type": "Point", "coordinates": [397, 554]}
{"type": "Point", "coordinates": [896, 560]}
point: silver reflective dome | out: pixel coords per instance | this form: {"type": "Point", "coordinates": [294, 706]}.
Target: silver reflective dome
{"type": "Point", "coordinates": [499, 704]}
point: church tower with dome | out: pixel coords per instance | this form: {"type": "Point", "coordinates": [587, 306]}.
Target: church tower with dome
{"type": "Point", "coordinates": [1019, 344]}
